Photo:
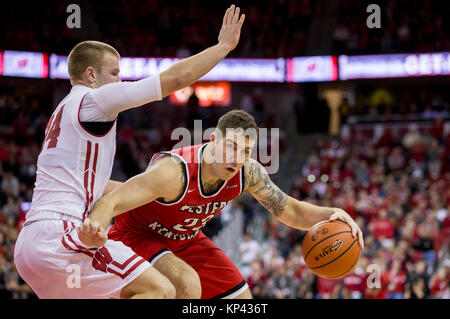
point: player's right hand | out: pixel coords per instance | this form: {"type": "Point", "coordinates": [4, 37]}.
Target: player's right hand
{"type": "Point", "coordinates": [231, 27]}
{"type": "Point", "coordinates": [91, 234]}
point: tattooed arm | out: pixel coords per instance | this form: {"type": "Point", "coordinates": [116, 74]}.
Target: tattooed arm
{"type": "Point", "coordinates": [288, 210]}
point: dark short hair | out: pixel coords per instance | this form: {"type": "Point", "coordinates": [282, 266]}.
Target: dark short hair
{"type": "Point", "coordinates": [237, 119]}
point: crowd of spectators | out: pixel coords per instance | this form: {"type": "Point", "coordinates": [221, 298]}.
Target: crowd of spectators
{"type": "Point", "coordinates": [402, 104]}
{"type": "Point", "coordinates": [396, 187]}
{"type": "Point", "coordinates": [406, 26]}
{"type": "Point", "coordinates": [158, 28]}
{"type": "Point", "coordinates": [395, 184]}
{"type": "Point", "coordinates": [273, 28]}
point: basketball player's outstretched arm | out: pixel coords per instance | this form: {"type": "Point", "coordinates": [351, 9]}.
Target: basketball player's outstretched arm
{"type": "Point", "coordinates": [163, 178]}
{"type": "Point", "coordinates": [117, 97]}
{"type": "Point", "coordinates": [191, 69]}
{"type": "Point", "coordinates": [290, 211]}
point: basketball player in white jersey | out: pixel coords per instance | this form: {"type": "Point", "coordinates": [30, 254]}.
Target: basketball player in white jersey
{"type": "Point", "coordinates": [74, 168]}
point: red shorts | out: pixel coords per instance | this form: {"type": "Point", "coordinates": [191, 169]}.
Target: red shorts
{"type": "Point", "coordinates": [219, 277]}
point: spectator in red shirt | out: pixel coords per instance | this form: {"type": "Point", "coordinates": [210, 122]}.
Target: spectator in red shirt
{"type": "Point", "coordinates": [440, 282]}
{"type": "Point", "coordinates": [325, 287]}
{"type": "Point", "coordinates": [348, 171]}
{"type": "Point", "coordinates": [397, 279]}
{"type": "Point", "coordinates": [383, 229]}
{"type": "Point", "coordinates": [355, 283]}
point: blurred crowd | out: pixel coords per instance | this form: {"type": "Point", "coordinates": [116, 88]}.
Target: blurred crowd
{"type": "Point", "coordinates": [159, 28]}
{"type": "Point", "coordinates": [273, 28]}
{"type": "Point", "coordinates": [395, 184]}
{"type": "Point", "coordinates": [384, 104]}
{"type": "Point", "coordinates": [397, 188]}
{"type": "Point", "coordinates": [405, 26]}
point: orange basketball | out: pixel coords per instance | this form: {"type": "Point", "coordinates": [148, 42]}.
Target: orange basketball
{"type": "Point", "coordinates": [329, 249]}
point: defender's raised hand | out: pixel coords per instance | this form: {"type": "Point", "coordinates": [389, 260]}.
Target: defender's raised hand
{"type": "Point", "coordinates": [231, 27]}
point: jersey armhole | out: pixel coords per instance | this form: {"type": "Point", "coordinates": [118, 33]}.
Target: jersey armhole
{"type": "Point", "coordinates": [85, 129]}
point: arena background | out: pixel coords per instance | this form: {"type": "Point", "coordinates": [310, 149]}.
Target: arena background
{"type": "Point", "coordinates": [363, 115]}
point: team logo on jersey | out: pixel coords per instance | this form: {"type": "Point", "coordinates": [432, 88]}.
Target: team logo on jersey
{"type": "Point", "coordinates": [209, 208]}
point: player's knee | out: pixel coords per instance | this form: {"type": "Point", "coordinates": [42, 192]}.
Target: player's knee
{"type": "Point", "coordinates": [150, 285]}
{"type": "Point", "coordinates": [189, 286]}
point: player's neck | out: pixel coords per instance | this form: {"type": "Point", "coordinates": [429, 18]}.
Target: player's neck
{"type": "Point", "coordinates": [84, 83]}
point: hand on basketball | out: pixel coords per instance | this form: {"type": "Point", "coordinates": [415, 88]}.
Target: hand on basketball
{"type": "Point", "coordinates": [343, 216]}
{"type": "Point", "coordinates": [231, 28]}
{"type": "Point", "coordinates": [91, 234]}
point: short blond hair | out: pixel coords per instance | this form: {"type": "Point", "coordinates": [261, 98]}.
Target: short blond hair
{"type": "Point", "coordinates": [85, 54]}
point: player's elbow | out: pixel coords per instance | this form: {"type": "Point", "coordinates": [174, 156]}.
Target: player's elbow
{"type": "Point", "coordinates": [172, 81]}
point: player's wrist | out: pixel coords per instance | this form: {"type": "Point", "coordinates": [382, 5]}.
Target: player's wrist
{"type": "Point", "coordinates": [225, 47]}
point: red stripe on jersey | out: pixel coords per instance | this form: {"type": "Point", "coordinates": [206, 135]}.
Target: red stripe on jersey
{"type": "Point", "coordinates": [126, 263]}
{"type": "Point", "coordinates": [80, 247]}
{"type": "Point", "coordinates": [93, 173]}
{"type": "Point", "coordinates": [123, 276]}
{"type": "Point", "coordinates": [86, 177]}
{"type": "Point", "coordinates": [64, 242]}
{"type": "Point", "coordinates": [90, 254]}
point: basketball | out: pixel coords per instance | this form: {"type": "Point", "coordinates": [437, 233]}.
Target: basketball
{"type": "Point", "coordinates": [329, 249]}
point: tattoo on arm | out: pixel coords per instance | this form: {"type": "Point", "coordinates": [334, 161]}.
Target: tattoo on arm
{"type": "Point", "coordinates": [258, 184]}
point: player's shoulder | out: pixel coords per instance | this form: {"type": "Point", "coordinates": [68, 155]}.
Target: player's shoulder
{"type": "Point", "coordinates": [169, 167]}
{"type": "Point", "coordinates": [167, 161]}
{"type": "Point", "coordinates": [253, 166]}
{"type": "Point", "coordinates": [171, 174]}
{"type": "Point", "coordinates": [252, 173]}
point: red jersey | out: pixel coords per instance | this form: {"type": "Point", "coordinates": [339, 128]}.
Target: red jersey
{"type": "Point", "coordinates": [383, 228]}
{"type": "Point", "coordinates": [183, 218]}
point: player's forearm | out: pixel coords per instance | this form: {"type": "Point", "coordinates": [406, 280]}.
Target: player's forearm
{"type": "Point", "coordinates": [191, 69]}
{"type": "Point", "coordinates": [112, 205]}
{"type": "Point", "coordinates": [112, 185]}
{"type": "Point", "coordinates": [303, 215]}
{"type": "Point", "coordinates": [102, 212]}
{"type": "Point", "coordinates": [135, 192]}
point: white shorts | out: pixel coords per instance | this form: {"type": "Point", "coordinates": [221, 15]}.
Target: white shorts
{"type": "Point", "coordinates": [54, 263]}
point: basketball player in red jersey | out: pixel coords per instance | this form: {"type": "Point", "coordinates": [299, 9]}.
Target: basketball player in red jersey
{"type": "Point", "coordinates": [181, 191]}
{"type": "Point", "coordinates": [74, 169]}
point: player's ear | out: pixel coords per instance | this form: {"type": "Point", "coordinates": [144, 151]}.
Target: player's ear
{"type": "Point", "coordinates": [213, 140]}
{"type": "Point", "coordinates": [90, 74]}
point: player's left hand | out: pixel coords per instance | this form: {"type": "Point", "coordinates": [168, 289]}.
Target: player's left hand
{"type": "Point", "coordinates": [341, 215]}
{"type": "Point", "coordinates": [91, 234]}
{"type": "Point", "coordinates": [231, 27]}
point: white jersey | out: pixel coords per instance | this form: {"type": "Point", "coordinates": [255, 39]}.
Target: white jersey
{"type": "Point", "coordinates": [74, 165]}
{"type": "Point", "coordinates": [73, 169]}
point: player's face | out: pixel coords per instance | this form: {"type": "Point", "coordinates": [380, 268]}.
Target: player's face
{"type": "Point", "coordinates": [230, 153]}
{"type": "Point", "coordinates": [109, 72]}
